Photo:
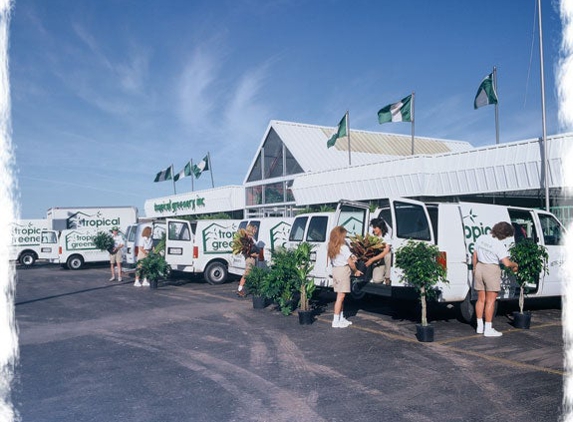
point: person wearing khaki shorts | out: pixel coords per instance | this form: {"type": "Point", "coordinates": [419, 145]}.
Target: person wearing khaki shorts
{"type": "Point", "coordinates": [489, 252]}
{"type": "Point", "coordinates": [115, 256]}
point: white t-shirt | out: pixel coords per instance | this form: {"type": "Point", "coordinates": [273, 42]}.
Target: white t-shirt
{"type": "Point", "coordinates": [341, 259]}
{"type": "Point", "coordinates": [147, 243]}
{"type": "Point", "coordinates": [490, 250]}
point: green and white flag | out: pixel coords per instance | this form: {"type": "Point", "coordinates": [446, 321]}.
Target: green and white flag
{"type": "Point", "coordinates": [201, 167]}
{"type": "Point", "coordinates": [164, 175]}
{"type": "Point", "coordinates": [398, 112]}
{"type": "Point", "coordinates": [341, 132]}
{"type": "Point", "coordinates": [486, 94]}
{"type": "Point", "coordinates": [183, 173]}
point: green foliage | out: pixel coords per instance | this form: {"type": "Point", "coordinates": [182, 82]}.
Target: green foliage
{"type": "Point", "coordinates": [532, 260]}
{"type": "Point", "coordinates": [256, 281]}
{"type": "Point", "coordinates": [154, 267]}
{"type": "Point", "coordinates": [304, 266]}
{"type": "Point", "coordinates": [421, 269]}
{"type": "Point", "coordinates": [160, 247]}
{"type": "Point", "coordinates": [103, 241]}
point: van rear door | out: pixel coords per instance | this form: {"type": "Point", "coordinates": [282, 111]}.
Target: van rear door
{"type": "Point", "coordinates": [179, 245]}
{"type": "Point", "coordinates": [49, 246]}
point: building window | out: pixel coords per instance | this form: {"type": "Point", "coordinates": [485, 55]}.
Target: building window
{"type": "Point", "coordinates": [256, 173]}
{"type": "Point", "coordinates": [273, 150]}
{"type": "Point", "coordinates": [254, 195]}
{"type": "Point", "coordinates": [274, 193]}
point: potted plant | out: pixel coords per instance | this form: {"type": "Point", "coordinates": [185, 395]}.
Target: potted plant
{"type": "Point", "coordinates": [104, 241]}
{"type": "Point", "coordinates": [421, 270]}
{"type": "Point", "coordinates": [255, 283]}
{"type": "Point", "coordinates": [154, 268]}
{"type": "Point", "coordinates": [364, 248]}
{"type": "Point", "coordinates": [532, 260]}
{"type": "Point", "coordinates": [305, 283]}
{"type": "Point", "coordinates": [281, 285]}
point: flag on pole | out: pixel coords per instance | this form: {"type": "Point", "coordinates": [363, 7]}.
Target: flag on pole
{"type": "Point", "coordinates": [164, 175]}
{"type": "Point", "coordinates": [486, 94]}
{"type": "Point", "coordinates": [183, 173]}
{"type": "Point", "coordinates": [201, 167]}
{"type": "Point", "coordinates": [341, 132]}
{"type": "Point", "coordinates": [398, 112]}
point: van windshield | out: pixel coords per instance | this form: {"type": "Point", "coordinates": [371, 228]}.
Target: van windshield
{"type": "Point", "coordinates": [411, 221]}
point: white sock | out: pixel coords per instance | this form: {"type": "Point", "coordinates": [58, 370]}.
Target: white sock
{"type": "Point", "coordinates": [240, 288]}
{"type": "Point", "coordinates": [488, 326]}
{"type": "Point", "coordinates": [336, 318]}
{"type": "Point", "coordinates": [480, 325]}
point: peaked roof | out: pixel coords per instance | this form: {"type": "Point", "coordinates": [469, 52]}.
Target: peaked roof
{"type": "Point", "coordinates": [307, 144]}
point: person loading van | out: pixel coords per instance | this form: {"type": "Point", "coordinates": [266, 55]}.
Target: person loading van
{"type": "Point", "coordinates": [250, 258]}
{"type": "Point", "coordinates": [489, 252]}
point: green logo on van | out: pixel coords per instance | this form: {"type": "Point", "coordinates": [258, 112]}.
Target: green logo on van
{"type": "Point", "coordinates": [217, 238]}
{"type": "Point", "coordinates": [474, 230]}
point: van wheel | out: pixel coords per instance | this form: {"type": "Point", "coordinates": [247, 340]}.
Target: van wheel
{"type": "Point", "coordinates": [356, 289]}
{"type": "Point", "coordinates": [467, 310]}
{"type": "Point", "coordinates": [75, 262]}
{"type": "Point", "coordinates": [215, 273]}
{"type": "Point", "coordinates": [27, 259]}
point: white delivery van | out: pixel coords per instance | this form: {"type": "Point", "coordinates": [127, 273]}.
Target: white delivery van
{"type": "Point", "coordinates": [133, 239]}
{"type": "Point", "coordinates": [272, 233]}
{"type": "Point", "coordinates": [454, 228]}
{"type": "Point", "coordinates": [95, 218]}
{"type": "Point", "coordinates": [32, 240]}
{"type": "Point", "coordinates": [77, 247]}
{"type": "Point", "coordinates": [201, 246]}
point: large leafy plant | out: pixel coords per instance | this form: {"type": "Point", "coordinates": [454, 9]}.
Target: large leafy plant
{"type": "Point", "coordinates": [304, 266]}
{"type": "Point", "coordinates": [282, 282]}
{"type": "Point", "coordinates": [256, 281]}
{"type": "Point", "coordinates": [532, 260]}
{"type": "Point", "coordinates": [366, 247]}
{"type": "Point", "coordinates": [421, 270]}
{"type": "Point", "coordinates": [104, 241]}
{"type": "Point", "coordinates": [154, 267]}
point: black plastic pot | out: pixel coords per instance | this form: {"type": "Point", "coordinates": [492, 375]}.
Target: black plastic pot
{"type": "Point", "coordinates": [153, 284]}
{"type": "Point", "coordinates": [425, 333]}
{"type": "Point", "coordinates": [259, 302]}
{"type": "Point", "coordinates": [522, 320]}
{"type": "Point", "coordinates": [305, 317]}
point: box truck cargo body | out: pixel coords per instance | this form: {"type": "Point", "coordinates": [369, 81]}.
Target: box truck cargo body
{"type": "Point", "coordinates": [201, 246]}
{"type": "Point", "coordinates": [272, 233]}
{"type": "Point", "coordinates": [98, 218]}
{"type": "Point", "coordinates": [454, 228]}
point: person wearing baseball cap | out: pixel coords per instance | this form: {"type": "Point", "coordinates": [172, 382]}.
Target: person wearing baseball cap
{"type": "Point", "coordinates": [115, 255]}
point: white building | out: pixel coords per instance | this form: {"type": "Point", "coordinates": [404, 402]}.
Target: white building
{"type": "Point", "coordinates": [293, 168]}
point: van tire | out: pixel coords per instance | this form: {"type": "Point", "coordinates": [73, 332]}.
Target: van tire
{"type": "Point", "coordinates": [215, 273]}
{"type": "Point", "coordinates": [75, 262]}
{"type": "Point", "coordinates": [467, 310]}
{"type": "Point", "coordinates": [27, 259]}
{"type": "Point", "coordinates": [356, 291]}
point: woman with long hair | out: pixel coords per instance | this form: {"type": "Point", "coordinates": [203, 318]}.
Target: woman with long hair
{"type": "Point", "coordinates": [343, 265]}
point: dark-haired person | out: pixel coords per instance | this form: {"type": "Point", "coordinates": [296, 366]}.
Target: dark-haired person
{"type": "Point", "coordinates": [381, 262]}
{"type": "Point", "coordinates": [489, 252]}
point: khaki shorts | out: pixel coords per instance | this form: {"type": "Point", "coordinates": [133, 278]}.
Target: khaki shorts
{"type": "Point", "coordinates": [487, 277]}
{"type": "Point", "coordinates": [115, 258]}
{"type": "Point", "coordinates": [249, 263]}
{"type": "Point", "coordinates": [341, 279]}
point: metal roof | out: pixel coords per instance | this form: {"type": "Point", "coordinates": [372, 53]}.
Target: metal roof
{"type": "Point", "coordinates": [307, 144]}
{"type": "Point", "coordinates": [507, 167]}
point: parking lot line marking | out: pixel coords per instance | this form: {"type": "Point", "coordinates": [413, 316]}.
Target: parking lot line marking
{"type": "Point", "coordinates": [480, 354]}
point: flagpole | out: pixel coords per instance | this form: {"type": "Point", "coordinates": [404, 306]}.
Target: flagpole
{"type": "Point", "coordinates": [544, 139]}
{"type": "Point", "coordinates": [412, 111]}
{"type": "Point", "coordinates": [173, 178]}
{"type": "Point", "coordinates": [192, 175]}
{"type": "Point", "coordinates": [210, 168]}
{"type": "Point", "coordinates": [496, 104]}
{"type": "Point", "coordinates": [348, 135]}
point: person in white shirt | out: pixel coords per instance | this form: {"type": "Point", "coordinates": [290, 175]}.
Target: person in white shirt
{"type": "Point", "coordinates": [142, 252]}
{"type": "Point", "coordinates": [343, 263]}
{"type": "Point", "coordinates": [489, 252]}
{"type": "Point", "coordinates": [115, 256]}
{"type": "Point", "coordinates": [381, 262]}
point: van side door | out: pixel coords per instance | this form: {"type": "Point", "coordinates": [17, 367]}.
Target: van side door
{"type": "Point", "coordinates": [551, 235]}
{"type": "Point", "coordinates": [49, 245]}
{"type": "Point", "coordinates": [179, 244]}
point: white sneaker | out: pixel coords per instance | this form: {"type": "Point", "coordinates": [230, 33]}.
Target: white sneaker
{"type": "Point", "coordinates": [492, 332]}
{"type": "Point", "coordinates": [145, 283]}
{"type": "Point", "coordinates": [345, 320]}
{"type": "Point", "coordinates": [479, 330]}
{"type": "Point", "coordinates": [137, 283]}
{"type": "Point", "coordinates": [343, 323]}
{"type": "Point", "coordinates": [112, 279]}
{"type": "Point", "coordinates": [119, 279]}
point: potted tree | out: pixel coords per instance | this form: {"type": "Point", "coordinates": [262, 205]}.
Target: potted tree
{"type": "Point", "coordinates": [154, 267]}
{"type": "Point", "coordinates": [255, 283]}
{"type": "Point", "coordinates": [421, 270]}
{"type": "Point", "coordinates": [304, 283]}
{"type": "Point", "coordinates": [532, 260]}
{"type": "Point", "coordinates": [104, 241]}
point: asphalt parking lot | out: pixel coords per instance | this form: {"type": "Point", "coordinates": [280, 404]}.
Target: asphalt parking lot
{"type": "Point", "coordinates": [91, 350]}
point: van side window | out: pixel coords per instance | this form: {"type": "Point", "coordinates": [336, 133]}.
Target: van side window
{"type": "Point", "coordinates": [551, 229]}
{"type": "Point", "coordinates": [317, 229]}
{"type": "Point", "coordinates": [523, 225]}
{"type": "Point", "coordinates": [353, 220]}
{"type": "Point", "coordinates": [242, 225]}
{"type": "Point", "coordinates": [257, 224]}
{"type": "Point", "coordinates": [411, 221]}
{"type": "Point", "coordinates": [297, 229]}
{"type": "Point", "coordinates": [49, 237]}
{"type": "Point", "coordinates": [178, 231]}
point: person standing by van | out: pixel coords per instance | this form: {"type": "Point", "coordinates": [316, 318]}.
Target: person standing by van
{"type": "Point", "coordinates": [142, 252]}
{"type": "Point", "coordinates": [251, 256]}
{"type": "Point", "coordinates": [343, 265]}
{"type": "Point", "coordinates": [115, 256]}
{"type": "Point", "coordinates": [489, 252]}
{"type": "Point", "coordinates": [381, 262]}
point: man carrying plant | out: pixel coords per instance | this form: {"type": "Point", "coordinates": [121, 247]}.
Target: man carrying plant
{"type": "Point", "coordinates": [489, 252]}
{"type": "Point", "coordinates": [115, 255]}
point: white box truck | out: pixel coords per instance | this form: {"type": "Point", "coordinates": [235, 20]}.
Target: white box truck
{"type": "Point", "coordinates": [32, 240]}
{"type": "Point", "coordinates": [272, 233]}
{"type": "Point", "coordinates": [453, 227]}
{"type": "Point", "coordinates": [201, 246]}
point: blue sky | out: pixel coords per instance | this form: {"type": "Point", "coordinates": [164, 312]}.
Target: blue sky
{"type": "Point", "coordinates": [106, 93]}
